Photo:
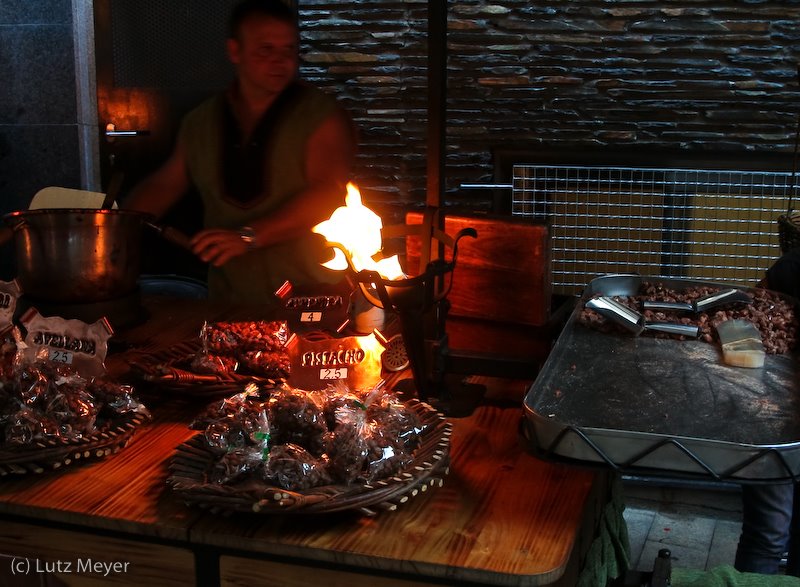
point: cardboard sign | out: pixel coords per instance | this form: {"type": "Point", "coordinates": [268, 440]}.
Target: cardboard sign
{"type": "Point", "coordinates": [318, 307]}
{"type": "Point", "coordinates": [318, 360]}
{"type": "Point", "coordinates": [71, 342]}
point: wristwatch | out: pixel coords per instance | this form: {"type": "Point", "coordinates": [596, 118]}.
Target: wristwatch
{"type": "Point", "coordinates": [248, 236]}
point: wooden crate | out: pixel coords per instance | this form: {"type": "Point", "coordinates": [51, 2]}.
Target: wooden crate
{"type": "Point", "coordinates": [503, 275]}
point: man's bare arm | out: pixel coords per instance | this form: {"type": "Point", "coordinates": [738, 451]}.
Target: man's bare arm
{"type": "Point", "coordinates": [329, 159]}
{"type": "Point", "coordinates": [162, 189]}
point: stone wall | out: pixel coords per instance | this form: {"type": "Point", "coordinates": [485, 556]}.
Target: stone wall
{"type": "Point", "coordinates": [709, 79]}
{"type": "Point", "coordinates": [705, 78]}
{"type": "Point", "coordinates": [37, 101]}
{"type": "Point", "coordinates": [38, 112]}
{"type": "Point", "coordinates": [374, 56]}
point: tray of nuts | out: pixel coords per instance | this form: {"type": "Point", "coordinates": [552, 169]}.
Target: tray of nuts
{"type": "Point", "coordinates": [221, 360]}
{"type": "Point", "coordinates": [311, 452]}
{"type": "Point", "coordinates": [645, 401]}
{"type": "Point", "coordinates": [53, 417]}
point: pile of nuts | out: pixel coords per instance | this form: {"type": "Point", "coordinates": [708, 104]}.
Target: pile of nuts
{"type": "Point", "coordinates": [772, 314]}
{"type": "Point", "coordinates": [297, 439]}
{"type": "Point", "coordinates": [252, 347]}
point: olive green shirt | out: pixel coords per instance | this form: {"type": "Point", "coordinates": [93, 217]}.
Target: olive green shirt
{"type": "Point", "coordinates": [253, 278]}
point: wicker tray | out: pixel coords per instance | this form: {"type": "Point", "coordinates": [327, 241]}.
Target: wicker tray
{"type": "Point", "coordinates": [54, 454]}
{"type": "Point", "coordinates": [169, 370]}
{"type": "Point", "coordinates": [430, 464]}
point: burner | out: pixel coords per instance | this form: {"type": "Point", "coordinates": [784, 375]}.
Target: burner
{"type": "Point", "coordinates": [121, 312]}
{"type": "Point", "coordinates": [415, 300]}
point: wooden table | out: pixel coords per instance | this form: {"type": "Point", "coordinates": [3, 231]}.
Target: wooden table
{"type": "Point", "coordinates": [502, 517]}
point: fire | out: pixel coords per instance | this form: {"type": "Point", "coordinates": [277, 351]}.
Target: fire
{"type": "Point", "coordinates": [358, 229]}
{"type": "Point", "coordinates": [373, 350]}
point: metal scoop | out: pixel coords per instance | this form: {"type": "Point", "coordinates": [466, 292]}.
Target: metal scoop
{"type": "Point", "coordinates": [634, 321]}
{"type": "Point", "coordinates": [703, 304]}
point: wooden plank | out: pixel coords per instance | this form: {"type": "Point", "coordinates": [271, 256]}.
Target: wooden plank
{"type": "Point", "coordinates": [515, 341]}
{"type": "Point", "coordinates": [503, 275]}
{"type": "Point", "coordinates": [501, 518]}
{"type": "Point", "coordinates": [81, 559]}
{"type": "Point", "coordinates": [125, 492]}
{"type": "Point", "coordinates": [245, 572]}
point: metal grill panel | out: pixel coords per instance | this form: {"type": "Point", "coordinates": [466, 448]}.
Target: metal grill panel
{"type": "Point", "coordinates": [696, 223]}
{"type": "Point", "coordinates": [169, 44]}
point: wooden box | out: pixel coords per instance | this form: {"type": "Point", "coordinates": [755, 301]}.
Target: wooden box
{"type": "Point", "coordinates": [503, 275]}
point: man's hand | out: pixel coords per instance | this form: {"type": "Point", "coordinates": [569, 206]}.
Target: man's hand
{"type": "Point", "coordinates": [218, 246]}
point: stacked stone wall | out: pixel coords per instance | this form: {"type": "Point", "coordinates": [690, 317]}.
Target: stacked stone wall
{"type": "Point", "coordinates": [708, 78]}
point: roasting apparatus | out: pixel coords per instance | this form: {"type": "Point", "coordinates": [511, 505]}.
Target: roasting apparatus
{"type": "Point", "coordinates": [419, 301]}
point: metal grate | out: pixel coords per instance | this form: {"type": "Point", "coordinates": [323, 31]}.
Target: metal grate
{"type": "Point", "coordinates": [170, 44]}
{"type": "Point", "coordinates": [176, 44]}
{"type": "Point", "coordinates": [696, 223]}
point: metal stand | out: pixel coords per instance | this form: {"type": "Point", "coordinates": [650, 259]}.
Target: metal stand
{"type": "Point", "coordinates": [421, 306]}
{"type": "Point", "coordinates": [413, 298]}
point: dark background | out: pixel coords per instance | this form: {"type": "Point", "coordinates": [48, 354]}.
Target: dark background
{"type": "Point", "coordinates": [582, 80]}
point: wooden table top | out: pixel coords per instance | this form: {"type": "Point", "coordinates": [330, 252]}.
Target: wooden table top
{"type": "Point", "coordinates": [501, 517]}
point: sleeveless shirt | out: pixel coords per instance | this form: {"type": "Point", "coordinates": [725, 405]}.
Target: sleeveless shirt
{"type": "Point", "coordinates": [253, 278]}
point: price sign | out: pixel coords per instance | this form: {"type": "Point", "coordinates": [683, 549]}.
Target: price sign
{"type": "Point", "coordinates": [310, 316]}
{"type": "Point", "coordinates": [60, 356]}
{"type": "Point", "coordinates": [333, 374]}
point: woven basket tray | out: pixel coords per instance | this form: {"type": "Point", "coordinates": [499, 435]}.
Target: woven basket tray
{"type": "Point", "coordinates": [55, 454]}
{"type": "Point", "coordinates": [430, 464]}
{"type": "Point", "coordinates": [169, 370]}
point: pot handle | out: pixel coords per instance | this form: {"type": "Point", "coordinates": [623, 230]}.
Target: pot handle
{"type": "Point", "coordinates": [171, 234]}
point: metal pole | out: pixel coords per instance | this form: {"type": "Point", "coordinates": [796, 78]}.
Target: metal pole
{"type": "Point", "coordinates": [434, 326]}
{"type": "Point", "coordinates": [437, 99]}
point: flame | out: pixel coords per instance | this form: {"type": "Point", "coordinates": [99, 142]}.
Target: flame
{"type": "Point", "coordinates": [371, 364]}
{"type": "Point", "coordinates": [358, 229]}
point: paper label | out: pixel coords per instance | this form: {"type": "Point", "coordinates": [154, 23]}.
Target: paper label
{"type": "Point", "coordinates": [73, 342]}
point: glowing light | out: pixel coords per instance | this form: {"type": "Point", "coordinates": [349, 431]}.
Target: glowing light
{"type": "Point", "coordinates": [373, 350]}
{"type": "Point", "coordinates": [358, 230]}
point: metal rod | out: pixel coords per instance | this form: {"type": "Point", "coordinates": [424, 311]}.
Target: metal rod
{"type": "Point", "coordinates": [437, 92]}
{"type": "Point", "coordinates": [127, 133]}
{"type": "Point", "coordinates": [479, 186]}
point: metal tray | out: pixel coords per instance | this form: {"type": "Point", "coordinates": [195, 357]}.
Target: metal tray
{"type": "Point", "coordinates": [661, 405]}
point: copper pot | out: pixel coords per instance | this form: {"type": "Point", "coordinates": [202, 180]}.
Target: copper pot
{"type": "Point", "coordinates": [76, 255]}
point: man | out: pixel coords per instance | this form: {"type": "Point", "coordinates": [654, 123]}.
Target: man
{"type": "Point", "coordinates": [270, 158]}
